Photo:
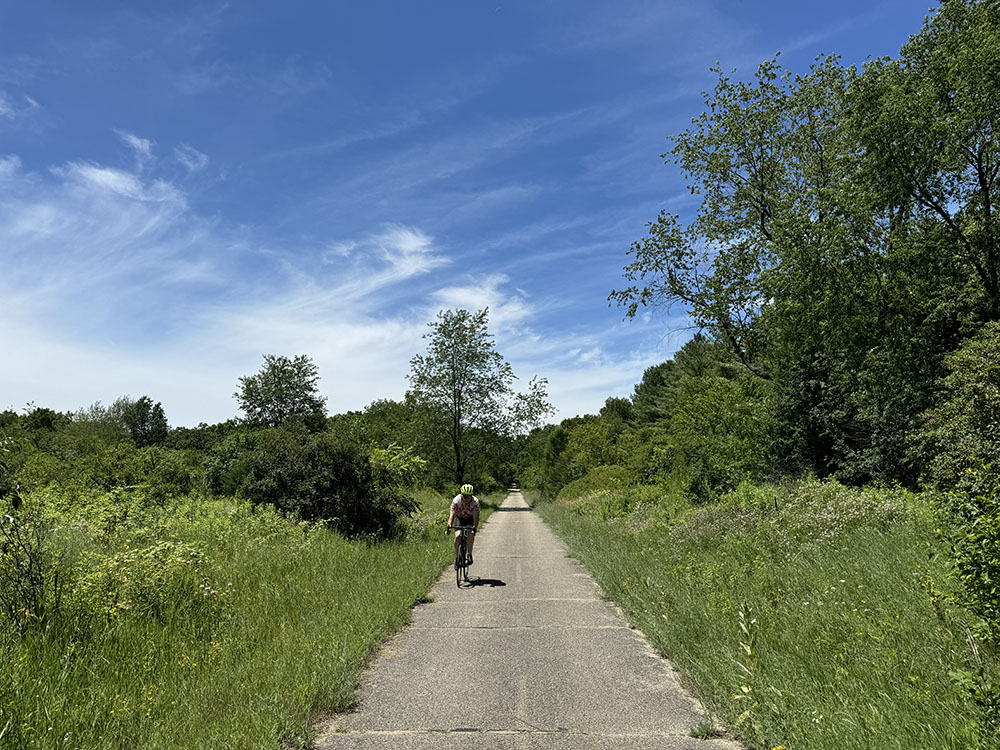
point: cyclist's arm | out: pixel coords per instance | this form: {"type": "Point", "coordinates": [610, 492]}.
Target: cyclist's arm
{"type": "Point", "coordinates": [451, 517]}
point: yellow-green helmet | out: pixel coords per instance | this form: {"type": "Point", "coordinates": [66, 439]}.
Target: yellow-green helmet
{"type": "Point", "coordinates": [466, 489]}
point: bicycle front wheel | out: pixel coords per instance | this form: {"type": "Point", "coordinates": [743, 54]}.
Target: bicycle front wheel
{"type": "Point", "coordinates": [460, 562]}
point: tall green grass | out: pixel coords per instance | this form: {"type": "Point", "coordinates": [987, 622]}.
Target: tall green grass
{"type": "Point", "coordinates": [806, 618]}
{"type": "Point", "coordinates": [274, 624]}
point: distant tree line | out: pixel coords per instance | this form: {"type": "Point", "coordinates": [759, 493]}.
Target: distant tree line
{"type": "Point", "coordinates": [459, 421]}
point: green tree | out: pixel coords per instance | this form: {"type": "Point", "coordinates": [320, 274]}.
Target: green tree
{"type": "Point", "coordinates": [720, 434]}
{"type": "Point", "coordinates": [145, 421]}
{"type": "Point", "coordinates": [926, 124]}
{"type": "Point", "coordinates": [41, 418]}
{"type": "Point", "coordinates": [846, 238]}
{"type": "Point", "coordinates": [465, 387]}
{"type": "Point", "coordinates": [283, 389]}
{"type": "Point", "coordinates": [963, 429]}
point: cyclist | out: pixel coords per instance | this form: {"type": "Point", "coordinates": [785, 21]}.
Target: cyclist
{"type": "Point", "coordinates": [465, 512]}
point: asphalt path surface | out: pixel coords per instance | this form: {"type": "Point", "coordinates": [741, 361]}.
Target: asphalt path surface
{"type": "Point", "coordinates": [528, 655]}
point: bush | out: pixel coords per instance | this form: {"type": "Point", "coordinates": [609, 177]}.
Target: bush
{"type": "Point", "coordinates": [165, 578]}
{"type": "Point", "coordinates": [599, 479]}
{"type": "Point", "coordinates": [720, 433]}
{"type": "Point", "coordinates": [31, 573]}
{"type": "Point", "coordinates": [313, 476]}
{"type": "Point", "coordinates": [975, 544]}
{"type": "Point", "coordinates": [975, 547]}
{"type": "Point", "coordinates": [965, 426]}
{"type": "Point", "coordinates": [166, 474]}
{"type": "Point", "coordinates": [396, 466]}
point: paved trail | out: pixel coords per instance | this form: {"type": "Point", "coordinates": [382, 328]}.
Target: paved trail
{"type": "Point", "coordinates": [551, 664]}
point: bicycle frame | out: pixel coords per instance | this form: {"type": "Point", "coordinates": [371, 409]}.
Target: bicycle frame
{"type": "Point", "coordinates": [462, 561]}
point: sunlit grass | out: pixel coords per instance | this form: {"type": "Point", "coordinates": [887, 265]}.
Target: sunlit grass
{"type": "Point", "coordinates": [807, 624]}
{"type": "Point", "coordinates": [297, 612]}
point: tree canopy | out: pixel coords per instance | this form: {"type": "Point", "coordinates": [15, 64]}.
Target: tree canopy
{"type": "Point", "coordinates": [466, 388]}
{"type": "Point", "coordinates": [846, 240]}
{"type": "Point", "coordinates": [284, 388]}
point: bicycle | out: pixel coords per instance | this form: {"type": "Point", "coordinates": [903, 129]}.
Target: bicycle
{"type": "Point", "coordinates": [462, 561]}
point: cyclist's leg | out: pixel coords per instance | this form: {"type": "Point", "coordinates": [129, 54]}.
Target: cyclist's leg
{"type": "Point", "coordinates": [472, 541]}
{"type": "Point", "coordinates": [457, 535]}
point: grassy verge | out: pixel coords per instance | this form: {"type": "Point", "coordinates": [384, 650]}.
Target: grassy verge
{"type": "Point", "coordinates": [805, 617]}
{"type": "Point", "coordinates": [208, 624]}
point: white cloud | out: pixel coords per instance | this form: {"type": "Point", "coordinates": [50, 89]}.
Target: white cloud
{"type": "Point", "coordinates": [10, 165]}
{"type": "Point", "coordinates": [10, 110]}
{"type": "Point", "coordinates": [376, 262]}
{"type": "Point", "coordinates": [125, 184]}
{"type": "Point", "coordinates": [114, 283]}
{"type": "Point", "coordinates": [190, 157]}
{"type": "Point", "coordinates": [143, 147]}
{"type": "Point", "coordinates": [407, 250]}
{"type": "Point", "coordinates": [506, 310]}
{"type": "Point", "coordinates": [338, 250]}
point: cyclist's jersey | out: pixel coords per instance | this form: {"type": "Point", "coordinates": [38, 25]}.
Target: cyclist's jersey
{"type": "Point", "coordinates": [463, 508]}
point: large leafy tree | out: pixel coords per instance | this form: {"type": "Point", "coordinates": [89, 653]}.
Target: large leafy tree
{"type": "Point", "coordinates": [284, 388]}
{"type": "Point", "coordinates": [846, 239]}
{"type": "Point", "coordinates": [465, 388]}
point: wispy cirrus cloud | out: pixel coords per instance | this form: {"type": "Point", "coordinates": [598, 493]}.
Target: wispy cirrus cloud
{"type": "Point", "coordinates": [373, 262]}
{"type": "Point", "coordinates": [141, 147]}
{"type": "Point", "coordinates": [107, 274]}
{"type": "Point", "coordinates": [16, 107]}
{"type": "Point", "coordinates": [509, 309]}
{"type": "Point", "coordinates": [106, 294]}
{"type": "Point", "coordinates": [191, 158]}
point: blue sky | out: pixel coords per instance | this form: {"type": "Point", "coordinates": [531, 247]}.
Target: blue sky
{"type": "Point", "coordinates": [187, 186]}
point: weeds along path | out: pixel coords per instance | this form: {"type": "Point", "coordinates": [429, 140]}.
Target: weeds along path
{"type": "Point", "coordinates": [527, 656]}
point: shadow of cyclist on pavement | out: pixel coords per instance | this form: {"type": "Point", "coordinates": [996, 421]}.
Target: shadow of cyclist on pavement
{"type": "Point", "coordinates": [491, 582]}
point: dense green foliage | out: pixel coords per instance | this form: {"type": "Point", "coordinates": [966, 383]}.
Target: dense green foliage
{"type": "Point", "coordinates": [846, 241]}
{"type": "Point", "coordinates": [283, 389]}
{"type": "Point", "coordinates": [313, 476]}
{"type": "Point", "coordinates": [145, 422]}
{"type": "Point", "coordinates": [698, 424]}
{"type": "Point", "coordinates": [966, 421]}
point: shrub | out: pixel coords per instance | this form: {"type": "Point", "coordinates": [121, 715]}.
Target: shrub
{"type": "Point", "coordinates": [155, 581]}
{"type": "Point", "coordinates": [974, 537]}
{"type": "Point", "coordinates": [396, 466]}
{"type": "Point", "coordinates": [166, 474]}
{"type": "Point", "coordinates": [312, 476]}
{"type": "Point", "coordinates": [975, 545]}
{"type": "Point", "coordinates": [598, 479]}
{"type": "Point", "coordinates": [31, 573]}
{"type": "Point", "coordinates": [720, 432]}
{"type": "Point", "coordinates": [965, 426]}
